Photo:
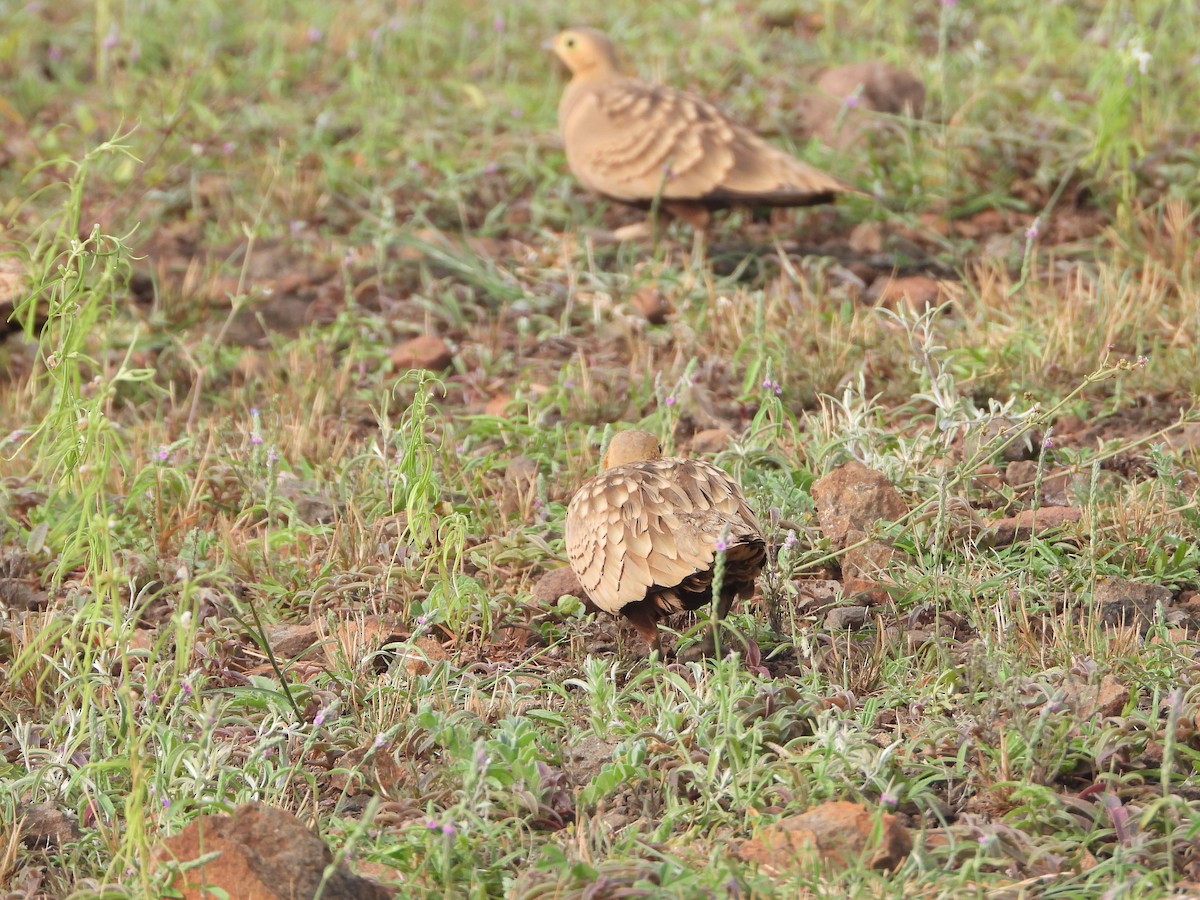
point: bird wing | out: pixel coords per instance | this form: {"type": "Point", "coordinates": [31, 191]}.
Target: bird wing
{"type": "Point", "coordinates": [651, 524]}
{"type": "Point", "coordinates": [634, 141]}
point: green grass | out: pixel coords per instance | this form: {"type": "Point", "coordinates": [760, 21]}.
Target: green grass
{"type": "Point", "coordinates": [179, 482]}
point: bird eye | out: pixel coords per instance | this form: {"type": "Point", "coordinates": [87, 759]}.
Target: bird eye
{"type": "Point", "coordinates": [570, 42]}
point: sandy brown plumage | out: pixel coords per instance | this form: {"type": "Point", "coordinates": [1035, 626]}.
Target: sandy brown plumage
{"type": "Point", "coordinates": [644, 535]}
{"type": "Point", "coordinates": [637, 142]}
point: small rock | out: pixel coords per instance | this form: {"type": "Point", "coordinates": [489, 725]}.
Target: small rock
{"type": "Point", "coordinates": [557, 582]}
{"type": "Point", "coordinates": [251, 365]}
{"type": "Point", "coordinates": [866, 238]}
{"type": "Point", "coordinates": [865, 559]}
{"type": "Point", "coordinates": [1175, 636]}
{"type": "Point", "coordinates": [1106, 699]}
{"type": "Point", "coordinates": [369, 770]}
{"type": "Point", "coordinates": [584, 758]}
{"type": "Point", "coordinates": [1021, 474]}
{"type": "Point", "coordinates": [423, 352]}
{"type": "Point", "coordinates": [838, 111]}
{"type": "Point", "coordinates": [981, 224]}
{"type": "Point", "coordinates": [850, 500]}
{"type": "Point", "coordinates": [846, 617]}
{"type": "Point", "coordinates": [16, 594]}
{"type": "Point", "coordinates": [520, 486]}
{"type": "Point", "coordinates": [290, 641]}
{"type": "Point", "coordinates": [1122, 602]}
{"type": "Point", "coordinates": [43, 826]}
{"type": "Point", "coordinates": [1003, 247]}
{"type": "Point", "coordinates": [497, 406]}
{"type": "Point", "coordinates": [916, 638]}
{"type": "Point", "coordinates": [988, 478]}
{"type": "Point", "coordinates": [141, 640]}
{"type": "Point", "coordinates": [1188, 603]}
{"type": "Point", "coordinates": [421, 653]}
{"type": "Point", "coordinates": [521, 471]}
{"type": "Point", "coordinates": [12, 282]}
{"type": "Point", "coordinates": [651, 303]}
{"type": "Point", "coordinates": [839, 833]}
{"type": "Point", "coordinates": [865, 591]}
{"type": "Point", "coordinates": [262, 853]}
{"type": "Point", "coordinates": [711, 440]}
{"type": "Point", "coordinates": [917, 292]}
{"type": "Point", "coordinates": [878, 86]}
{"type": "Point", "coordinates": [313, 506]}
{"type": "Point", "coordinates": [1021, 527]}
{"type": "Point", "coordinates": [814, 594]}
{"type": "Point", "coordinates": [853, 498]}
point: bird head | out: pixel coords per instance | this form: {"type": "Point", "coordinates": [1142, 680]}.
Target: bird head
{"type": "Point", "coordinates": [585, 51]}
{"type": "Point", "coordinates": [631, 446]}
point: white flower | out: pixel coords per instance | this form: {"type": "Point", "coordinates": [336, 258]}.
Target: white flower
{"type": "Point", "coordinates": [1140, 56]}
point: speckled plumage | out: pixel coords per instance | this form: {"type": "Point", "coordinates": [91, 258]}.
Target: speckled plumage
{"type": "Point", "coordinates": [634, 142]}
{"type": "Point", "coordinates": [642, 536]}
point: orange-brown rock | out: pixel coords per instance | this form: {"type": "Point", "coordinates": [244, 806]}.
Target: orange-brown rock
{"type": "Point", "coordinates": [258, 853]}
{"type": "Point", "coordinates": [423, 352]}
{"type": "Point", "coordinates": [652, 304]}
{"type": "Point", "coordinates": [1022, 526]}
{"type": "Point", "coordinates": [838, 109]}
{"type": "Point", "coordinates": [850, 500]}
{"type": "Point", "coordinates": [558, 582]}
{"type": "Point", "coordinates": [289, 641]}
{"type": "Point", "coordinates": [838, 833]}
{"type": "Point", "coordinates": [916, 292]}
{"type": "Point", "coordinates": [1122, 602]}
{"type": "Point", "coordinates": [44, 826]}
{"type": "Point", "coordinates": [421, 653]}
{"type": "Point", "coordinates": [711, 440]}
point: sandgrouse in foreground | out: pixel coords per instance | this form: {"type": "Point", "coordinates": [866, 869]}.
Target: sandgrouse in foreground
{"type": "Point", "coordinates": [644, 535]}
{"type": "Point", "coordinates": [637, 142]}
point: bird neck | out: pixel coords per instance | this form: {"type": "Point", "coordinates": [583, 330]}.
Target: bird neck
{"type": "Point", "coordinates": [583, 84]}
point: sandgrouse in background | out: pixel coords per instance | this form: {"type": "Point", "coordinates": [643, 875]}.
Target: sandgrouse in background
{"type": "Point", "coordinates": [637, 142]}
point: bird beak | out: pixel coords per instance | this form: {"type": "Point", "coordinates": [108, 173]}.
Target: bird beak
{"type": "Point", "coordinates": [548, 44]}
